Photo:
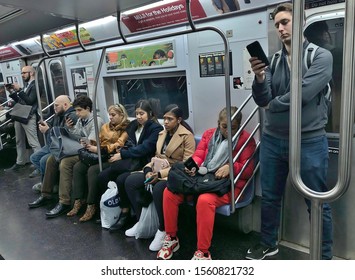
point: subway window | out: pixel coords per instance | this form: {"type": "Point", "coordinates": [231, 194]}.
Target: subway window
{"type": "Point", "coordinates": [57, 78]}
{"type": "Point", "coordinates": [167, 90]}
{"type": "Point", "coordinates": [329, 35]}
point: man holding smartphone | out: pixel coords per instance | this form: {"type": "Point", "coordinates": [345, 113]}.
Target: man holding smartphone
{"type": "Point", "coordinates": [26, 96]}
{"type": "Point", "coordinates": [63, 110]}
{"type": "Point", "coordinates": [271, 91]}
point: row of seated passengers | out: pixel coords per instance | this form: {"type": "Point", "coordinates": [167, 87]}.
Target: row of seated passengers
{"type": "Point", "coordinates": [131, 145]}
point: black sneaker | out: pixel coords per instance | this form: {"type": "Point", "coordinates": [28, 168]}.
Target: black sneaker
{"type": "Point", "coordinates": [259, 252]}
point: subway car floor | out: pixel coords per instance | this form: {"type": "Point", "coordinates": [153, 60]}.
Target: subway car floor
{"type": "Point", "coordinates": [26, 234]}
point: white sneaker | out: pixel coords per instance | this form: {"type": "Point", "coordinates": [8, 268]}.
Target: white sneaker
{"type": "Point", "coordinates": [37, 187]}
{"type": "Point", "coordinates": [132, 231]}
{"type": "Point", "coordinates": [157, 242]}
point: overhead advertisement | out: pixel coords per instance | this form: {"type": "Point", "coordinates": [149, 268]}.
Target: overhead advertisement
{"type": "Point", "coordinates": [160, 16]}
{"type": "Point", "coordinates": [8, 53]}
{"type": "Point", "coordinates": [66, 39]}
{"type": "Point", "coordinates": [148, 56]}
{"type": "Point", "coordinates": [173, 12]}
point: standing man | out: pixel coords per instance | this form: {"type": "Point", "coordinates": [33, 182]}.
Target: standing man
{"type": "Point", "coordinates": [63, 111]}
{"type": "Point", "coordinates": [271, 90]}
{"type": "Point", "coordinates": [26, 96]}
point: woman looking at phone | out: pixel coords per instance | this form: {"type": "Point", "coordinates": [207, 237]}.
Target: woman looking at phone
{"type": "Point", "coordinates": [212, 154]}
{"type": "Point", "coordinates": [139, 149]}
{"type": "Point", "coordinates": [113, 135]}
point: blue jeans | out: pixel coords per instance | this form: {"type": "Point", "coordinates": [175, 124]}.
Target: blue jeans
{"type": "Point", "coordinates": [274, 168]}
{"type": "Point", "coordinates": [39, 159]}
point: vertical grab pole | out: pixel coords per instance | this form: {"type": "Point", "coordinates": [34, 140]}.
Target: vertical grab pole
{"type": "Point", "coordinates": [228, 99]}
{"type": "Point", "coordinates": [346, 123]}
{"type": "Point", "coordinates": [94, 99]}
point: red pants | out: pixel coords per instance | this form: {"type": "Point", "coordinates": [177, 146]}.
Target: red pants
{"type": "Point", "coordinates": [205, 214]}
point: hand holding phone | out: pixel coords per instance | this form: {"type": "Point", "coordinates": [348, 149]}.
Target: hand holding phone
{"type": "Point", "coordinates": [255, 50]}
{"type": "Point", "coordinates": [9, 86]}
{"type": "Point", "coordinates": [148, 180]}
{"type": "Point", "coordinates": [85, 141]}
{"type": "Point", "coordinates": [191, 165]}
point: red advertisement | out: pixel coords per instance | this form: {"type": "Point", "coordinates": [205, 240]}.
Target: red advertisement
{"type": "Point", "coordinates": [8, 53]}
{"type": "Point", "coordinates": [163, 15]}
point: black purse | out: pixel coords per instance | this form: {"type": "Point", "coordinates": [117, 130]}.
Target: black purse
{"type": "Point", "coordinates": [90, 158]}
{"type": "Point", "coordinates": [21, 113]}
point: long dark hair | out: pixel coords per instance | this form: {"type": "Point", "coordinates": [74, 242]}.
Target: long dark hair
{"type": "Point", "coordinates": [178, 113]}
{"type": "Point", "coordinates": [151, 106]}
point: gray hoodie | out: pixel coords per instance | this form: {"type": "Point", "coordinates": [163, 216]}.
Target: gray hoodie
{"type": "Point", "coordinates": [275, 91]}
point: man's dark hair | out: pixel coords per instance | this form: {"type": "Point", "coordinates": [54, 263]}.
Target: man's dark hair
{"type": "Point", "coordinates": [83, 101]}
{"type": "Point", "coordinates": [284, 7]}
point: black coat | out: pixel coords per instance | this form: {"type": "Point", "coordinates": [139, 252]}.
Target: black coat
{"type": "Point", "coordinates": [28, 97]}
{"type": "Point", "coordinates": [143, 148]}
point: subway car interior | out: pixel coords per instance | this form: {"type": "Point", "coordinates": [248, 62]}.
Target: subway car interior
{"type": "Point", "coordinates": [103, 49]}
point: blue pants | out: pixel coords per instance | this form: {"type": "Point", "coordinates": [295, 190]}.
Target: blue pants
{"type": "Point", "coordinates": [274, 167]}
{"type": "Point", "coordinates": [39, 159]}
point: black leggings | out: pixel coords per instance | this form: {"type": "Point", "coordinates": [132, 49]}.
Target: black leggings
{"type": "Point", "coordinates": [136, 192]}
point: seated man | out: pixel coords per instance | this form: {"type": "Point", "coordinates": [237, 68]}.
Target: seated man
{"type": "Point", "coordinates": [212, 156]}
{"type": "Point", "coordinates": [63, 110]}
{"type": "Point", "coordinates": [63, 170]}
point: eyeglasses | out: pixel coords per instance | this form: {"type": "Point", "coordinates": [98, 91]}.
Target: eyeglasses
{"type": "Point", "coordinates": [22, 73]}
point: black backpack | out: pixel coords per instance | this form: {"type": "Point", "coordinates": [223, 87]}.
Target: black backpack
{"type": "Point", "coordinates": [181, 182]}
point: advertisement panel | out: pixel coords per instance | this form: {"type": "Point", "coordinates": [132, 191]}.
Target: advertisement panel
{"type": "Point", "coordinates": [148, 56]}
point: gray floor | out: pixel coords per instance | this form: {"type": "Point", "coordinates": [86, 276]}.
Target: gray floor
{"type": "Point", "coordinates": [26, 234]}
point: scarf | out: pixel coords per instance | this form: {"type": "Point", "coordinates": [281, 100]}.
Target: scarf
{"type": "Point", "coordinates": [217, 151]}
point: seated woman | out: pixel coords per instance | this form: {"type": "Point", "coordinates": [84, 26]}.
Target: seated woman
{"type": "Point", "coordinates": [139, 149]}
{"type": "Point", "coordinates": [175, 143]}
{"type": "Point", "coordinates": [211, 153]}
{"type": "Point", "coordinates": [113, 136]}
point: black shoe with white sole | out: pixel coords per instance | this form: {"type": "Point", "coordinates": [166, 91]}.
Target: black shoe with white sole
{"type": "Point", "coordinates": [259, 252]}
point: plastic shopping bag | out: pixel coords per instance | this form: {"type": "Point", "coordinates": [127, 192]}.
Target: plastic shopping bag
{"type": "Point", "coordinates": [110, 209]}
{"type": "Point", "coordinates": [148, 222]}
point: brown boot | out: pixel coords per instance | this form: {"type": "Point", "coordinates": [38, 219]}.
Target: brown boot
{"type": "Point", "coordinates": [77, 205]}
{"type": "Point", "coordinates": [89, 213]}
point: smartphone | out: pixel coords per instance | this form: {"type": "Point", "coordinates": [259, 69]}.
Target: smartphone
{"type": "Point", "coordinates": [9, 86]}
{"type": "Point", "coordinates": [191, 165]}
{"type": "Point", "coordinates": [85, 140]}
{"type": "Point", "coordinates": [255, 50]}
{"type": "Point", "coordinates": [148, 180]}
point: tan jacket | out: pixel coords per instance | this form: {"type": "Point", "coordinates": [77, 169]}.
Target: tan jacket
{"type": "Point", "coordinates": [112, 139]}
{"type": "Point", "coordinates": [181, 146]}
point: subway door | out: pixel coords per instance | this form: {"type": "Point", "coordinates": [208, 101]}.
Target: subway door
{"type": "Point", "coordinates": [295, 229]}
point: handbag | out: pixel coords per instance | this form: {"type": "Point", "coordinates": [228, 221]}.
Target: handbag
{"type": "Point", "coordinates": [181, 182]}
{"type": "Point", "coordinates": [21, 113]}
{"type": "Point", "coordinates": [90, 158]}
{"type": "Point", "coordinates": [159, 164]}
{"type": "Point", "coordinates": [61, 145]}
